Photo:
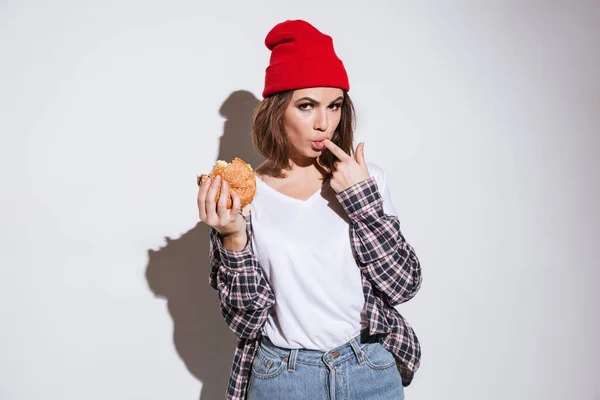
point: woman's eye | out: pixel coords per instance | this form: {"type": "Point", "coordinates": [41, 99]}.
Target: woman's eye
{"type": "Point", "coordinates": [305, 106]}
{"type": "Point", "coordinates": [335, 106]}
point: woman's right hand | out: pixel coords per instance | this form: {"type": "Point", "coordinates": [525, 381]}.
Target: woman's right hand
{"type": "Point", "coordinates": [228, 222]}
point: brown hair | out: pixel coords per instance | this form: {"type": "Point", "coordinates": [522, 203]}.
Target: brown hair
{"type": "Point", "coordinates": [270, 140]}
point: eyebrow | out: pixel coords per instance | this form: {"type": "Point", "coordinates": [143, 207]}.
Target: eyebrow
{"type": "Point", "coordinates": [317, 102]}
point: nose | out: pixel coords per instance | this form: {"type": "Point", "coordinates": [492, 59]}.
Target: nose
{"type": "Point", "coordinates": [321, 122]}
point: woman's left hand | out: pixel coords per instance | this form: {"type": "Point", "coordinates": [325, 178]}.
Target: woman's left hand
{"type": "Point", "coordinates": [349, 171]}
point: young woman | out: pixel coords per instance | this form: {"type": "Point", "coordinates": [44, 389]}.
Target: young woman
{"type": "Point", "coordinates": [309, 278]}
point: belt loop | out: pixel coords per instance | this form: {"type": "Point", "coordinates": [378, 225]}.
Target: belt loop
{"type": "Point", "coordinates": [292, 360]}
{"type": "Point", "coordinates": [360, 355]}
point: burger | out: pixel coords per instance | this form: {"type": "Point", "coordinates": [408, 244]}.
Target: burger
{"type": "Point", "coordinates": [239, 177]}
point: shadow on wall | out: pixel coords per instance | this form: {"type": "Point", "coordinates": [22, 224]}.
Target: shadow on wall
{"type": "Point", "coordinates": [179, 271]}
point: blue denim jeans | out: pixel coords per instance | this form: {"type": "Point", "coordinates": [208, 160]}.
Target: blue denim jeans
{"type": "Point", "coordinates": [356, 370]}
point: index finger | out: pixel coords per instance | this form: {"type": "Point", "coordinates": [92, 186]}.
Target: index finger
{"type": "Point", "coordinates": [339, 153]}
{"type": "Point", "coordinates": [236, 206]}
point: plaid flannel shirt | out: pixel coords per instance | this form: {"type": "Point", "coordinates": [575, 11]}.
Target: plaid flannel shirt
{"type": "Point", "coordinates": [391, 274]}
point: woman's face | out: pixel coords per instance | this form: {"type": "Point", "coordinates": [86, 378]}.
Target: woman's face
{"type": "Point", "coordinates": [311, 117]}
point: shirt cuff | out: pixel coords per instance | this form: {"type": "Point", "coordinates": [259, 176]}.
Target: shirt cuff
{"type": "Point", "coordinates": [360, 198]}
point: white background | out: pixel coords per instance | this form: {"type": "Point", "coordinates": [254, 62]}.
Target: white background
{"type": "Point", "coordinates": [485, 116]}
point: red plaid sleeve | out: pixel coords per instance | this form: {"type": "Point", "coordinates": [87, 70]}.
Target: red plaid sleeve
{"type": "Point", "coordinates": [244, 292]}
{"type": "Point", "coordinates": [384, 256]}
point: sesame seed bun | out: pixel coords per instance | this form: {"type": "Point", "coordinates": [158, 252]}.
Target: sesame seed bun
{"type": "Point", "coordinates": [239, 177]}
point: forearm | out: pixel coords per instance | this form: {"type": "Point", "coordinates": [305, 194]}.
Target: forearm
{"type": "Point", "coordinates": [244, 311]}
{"type": "Point", "coordinates": [235, 242]}
{"type": "Point", "coordinates": [245, 295]}
{"type": "Point", "coordinates": [383, 255]}
{"type": "Point", "coordinates": [397, 276]}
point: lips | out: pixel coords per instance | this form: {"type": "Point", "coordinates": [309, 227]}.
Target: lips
{"type": "Point", "coordinates": [318, 142]}
{"type": "Point", "coordinates": [319, 145]}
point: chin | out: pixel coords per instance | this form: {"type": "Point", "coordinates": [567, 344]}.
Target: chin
{"type": "Point", "coordinates": [314, 150]}
{"type": "Point", "coordinates": [309, 153]}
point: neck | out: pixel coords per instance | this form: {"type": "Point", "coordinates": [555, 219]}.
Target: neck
{"type": "Point", "coordinates": [305, 167]}
{"type": "Point", "coordinates": [301, 167]}
{"type": "Point", "coordinates": [302, 163]}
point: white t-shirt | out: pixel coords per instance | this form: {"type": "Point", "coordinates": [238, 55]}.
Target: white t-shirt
{"type": "Point", "coordinates": [304, 248]}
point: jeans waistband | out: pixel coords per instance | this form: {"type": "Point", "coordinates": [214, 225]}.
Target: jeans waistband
{"type": "Point", "coordinates": [339, 354]}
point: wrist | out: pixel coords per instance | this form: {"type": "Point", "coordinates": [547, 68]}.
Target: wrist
{"type": "Point", "coordinates": [235, 241]}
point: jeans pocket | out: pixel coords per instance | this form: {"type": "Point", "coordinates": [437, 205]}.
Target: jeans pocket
{"type": "Point", "coordinates": [378, 357]}
{"type": "Point", "coordinates": [267, 365]}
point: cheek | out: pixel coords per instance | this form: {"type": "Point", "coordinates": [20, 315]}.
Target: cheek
{"type": "Point", "coordinates": [336, 119]}
{"type": "Point", "coordinates": [298, 128]}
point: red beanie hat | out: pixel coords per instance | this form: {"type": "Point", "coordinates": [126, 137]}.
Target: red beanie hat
{"type": "Point", "coordinates": [302, 57]}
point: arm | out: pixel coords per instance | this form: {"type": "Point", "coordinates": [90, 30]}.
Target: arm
{"type": "Point", "coordinates": [244, 292]}
{"type": "Point", "coordinates": [383, 255]}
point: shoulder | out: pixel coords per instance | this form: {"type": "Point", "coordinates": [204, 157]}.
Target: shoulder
{"type": "Point", "coordinates": [263, 169]}
{"type": "Point", "coordinates": [378, 173]}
